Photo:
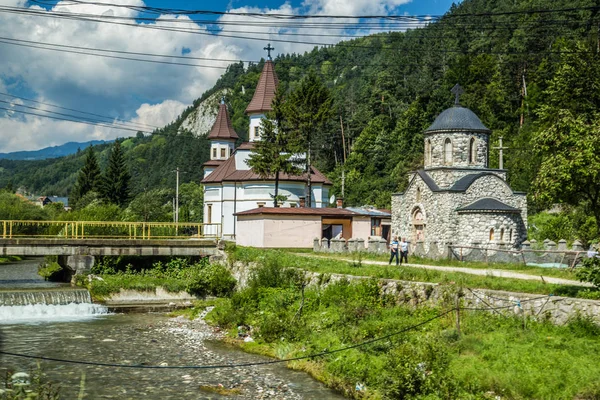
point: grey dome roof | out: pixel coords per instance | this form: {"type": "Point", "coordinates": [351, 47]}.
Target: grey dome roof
{"type": "Point", "coordinates": [457, 118]}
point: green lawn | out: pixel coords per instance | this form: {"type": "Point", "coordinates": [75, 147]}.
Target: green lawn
{"type": "Point", "coordinates": [356, 267]}
{"type": "Point", "coordinates": [564, 273]}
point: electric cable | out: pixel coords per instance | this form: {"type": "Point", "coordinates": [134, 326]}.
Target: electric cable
{"type": "Point", "coordinates": [220, 366]}
{"type": "Point", "coordinates": [81, 112]}
{"type": "Point", "coordinates": [71, 120]}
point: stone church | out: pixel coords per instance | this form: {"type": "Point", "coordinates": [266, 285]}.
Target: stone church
{"type": "Point", "coordinates": [456, 197]}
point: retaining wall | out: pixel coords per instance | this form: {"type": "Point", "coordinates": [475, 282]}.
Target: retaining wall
{"type": "Point", "coordinates": [552, 308]}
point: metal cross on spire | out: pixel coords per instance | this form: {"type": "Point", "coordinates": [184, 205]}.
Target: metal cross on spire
{"type": "Point", "coordinates": [457, 90]}
{"type": "Point", "coordinates": [268, 49]}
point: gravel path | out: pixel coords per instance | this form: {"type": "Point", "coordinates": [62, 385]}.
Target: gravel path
{"type": "Point", "coordinates": [498, 273]}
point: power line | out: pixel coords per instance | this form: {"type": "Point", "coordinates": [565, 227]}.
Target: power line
{"type": "Point", "coordinates": [220, 366]}
{"type": "Point", "coordinates": [86, 119]}
{"type": "Point", "coordinates": [110, 56]}
{"type": "Point", "coordinates": [250, 364]}
{"type": "Point", "coordinates": [323, 16]}
{"type": "Point", "coordinates": [138, 124]}
{"type": "Point", "coordinates": [71, 120]}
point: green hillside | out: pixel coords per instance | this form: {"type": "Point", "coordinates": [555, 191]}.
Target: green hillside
{"type": "Point", "coordinates": [388, 88]}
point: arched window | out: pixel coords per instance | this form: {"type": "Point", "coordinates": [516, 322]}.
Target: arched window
{"type": "Point", "coordinates": [418, 196]}
{"type": "Point", "coordinates": [428, 157]}
{"type": "Point", "coordinates": [502, 235]}
{"type": "Point", "coordinates": [510, 236]}
{"type": "Point", "coordinates": [472, 151]}
{"type": "Point", "coordinates": [448, 151]}
{"type": "Point", "coordinates": [491, 234]}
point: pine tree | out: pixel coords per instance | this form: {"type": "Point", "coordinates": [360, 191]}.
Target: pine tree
{"type": "Point", "coordinates": [115, 181]}
{"type": "Point", "coordinates": [271, 154]}
{"type": "Point", "coordinates": [308, 110]}
{"type": "Point", "coordinates": [89, 176]}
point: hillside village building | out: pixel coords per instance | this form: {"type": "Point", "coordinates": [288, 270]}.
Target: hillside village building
{"type": "Point", "coordinates": [231, 186]}
{"type": "Point", "coordinates": [456, 198]}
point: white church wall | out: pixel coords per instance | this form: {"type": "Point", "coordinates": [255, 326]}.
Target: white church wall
{"type": "Point", "coordinates": [217, 145]}
{"type": "Point", "coordinates": [241, 160]}
{"type": "Point", "coordinates": [254, 128]}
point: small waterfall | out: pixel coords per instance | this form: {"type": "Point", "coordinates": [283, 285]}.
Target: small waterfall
{"type": "Point", "coordinates": [49, 297]}
{"type": "Point", "coordinates": [44, 305]}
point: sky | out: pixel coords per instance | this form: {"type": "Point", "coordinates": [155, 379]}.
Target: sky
{"type": "Point", "coordinates": [142, 95]}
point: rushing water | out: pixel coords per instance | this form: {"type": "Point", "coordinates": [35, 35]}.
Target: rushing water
{"type": "Point", "coordinates": [86, 332]}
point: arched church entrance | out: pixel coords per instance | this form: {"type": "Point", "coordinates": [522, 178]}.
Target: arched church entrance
{"type": "Point", "coordinates": [418, 225]}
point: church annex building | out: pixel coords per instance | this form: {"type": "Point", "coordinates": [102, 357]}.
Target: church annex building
{"type": "Point", "coordinates": [456, 198]}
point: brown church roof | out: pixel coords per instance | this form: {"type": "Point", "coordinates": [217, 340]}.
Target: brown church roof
{"type": "Point", "coordinates": [227, 172]}
{"type": "Point", "coordinates": [222, 128]}
{"type": "Point", "coordinates": [265, 90]}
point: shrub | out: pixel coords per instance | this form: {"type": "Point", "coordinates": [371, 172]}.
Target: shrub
{"type": "Point", "coordinates": [50, 271]}
{"type": "Point", "coordinates": [590, 271]}
{"type": "Point", "coordinates": [213, 279]}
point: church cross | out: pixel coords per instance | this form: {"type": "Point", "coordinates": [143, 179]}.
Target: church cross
{"type": "Point", "coordinates": [500, 153]}
{"type": "Point", "coordinates": [457, 90]}
{"type": "Point", "coordinates": [268, 49]}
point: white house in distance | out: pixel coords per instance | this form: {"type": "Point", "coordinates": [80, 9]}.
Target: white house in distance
{"type": "Point", "coordinates": [231, 186]}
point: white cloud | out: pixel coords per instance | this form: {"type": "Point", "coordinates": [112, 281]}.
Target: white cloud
{"type": "Point", "coordinates": [159, 114]}
{"type": "Point", "coordinates": [139, 92]}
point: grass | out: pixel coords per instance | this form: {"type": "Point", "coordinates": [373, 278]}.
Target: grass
{"type": "Point", "coordinates": [493, 356]}
{"type": "Point", "coordinates": [514, 267]}
{"type": "Point", "coordinates": [331, 266]}
{"type": "Point", "coordinates": [223, 391]}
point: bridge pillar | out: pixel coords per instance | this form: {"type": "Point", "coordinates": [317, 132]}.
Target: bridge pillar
{"type": "Point", "coordinates": [74, 265]}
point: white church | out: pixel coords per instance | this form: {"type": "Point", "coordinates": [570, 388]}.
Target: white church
{"type": "Point", "coordinates": [231, 186]}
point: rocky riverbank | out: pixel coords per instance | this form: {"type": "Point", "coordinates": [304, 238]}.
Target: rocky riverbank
{"type": "Point", "coordinates": [253, 382]}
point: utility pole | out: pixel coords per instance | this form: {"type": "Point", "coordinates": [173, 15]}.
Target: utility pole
{"type": "Point", "coordinates": [177, 196]}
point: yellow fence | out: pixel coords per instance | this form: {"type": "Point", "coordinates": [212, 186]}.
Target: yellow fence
{"type": "Point", "coordinates": [13, 229]}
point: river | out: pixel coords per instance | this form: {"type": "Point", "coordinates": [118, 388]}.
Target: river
{"type": "Point", "coordinates": [86, 332]}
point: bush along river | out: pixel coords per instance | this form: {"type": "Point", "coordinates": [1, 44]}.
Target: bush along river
{"type": "Point", "coordinates": [38, 318]}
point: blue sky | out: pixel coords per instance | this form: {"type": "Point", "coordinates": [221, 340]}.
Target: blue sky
{"type": "Point", "coordinates": [141, 93]}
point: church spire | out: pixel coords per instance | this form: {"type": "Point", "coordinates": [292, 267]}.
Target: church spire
{"type": "Point", "coordinates": [222, 128]}
{"type": "Point", "coordinates": [265, 90]}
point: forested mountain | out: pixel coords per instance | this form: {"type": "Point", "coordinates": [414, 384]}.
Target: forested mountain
{"type": "Point", "coordinates": [387, 89]}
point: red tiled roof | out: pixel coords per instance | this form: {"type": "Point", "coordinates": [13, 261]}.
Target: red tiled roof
{"type": "Point", "coordinates": [213, 163]}
{"type": "Point", "coordinates": [265, 90]}
{"type": "Point", "coordinates": [324, 212]}
{"type": "Point", "coordinates": [227, 172]}
{"type": "Point", "coordinates": [222, 128]}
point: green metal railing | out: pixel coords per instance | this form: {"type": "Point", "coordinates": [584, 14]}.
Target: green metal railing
{"type": "Point", "coordinates": [13, 229]}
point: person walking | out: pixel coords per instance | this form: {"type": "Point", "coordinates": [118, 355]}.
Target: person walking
{"type": "Point", "coordinates": [404, 251]}
{"type": "Point", "coordinates": [394, 250]}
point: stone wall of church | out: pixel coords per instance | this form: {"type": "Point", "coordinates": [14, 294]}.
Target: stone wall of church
{"type": "Point", "coordinates": [490, 186]}
{"type": "Point", "coordinates": [439, 223]}
{"type": "Point", "coordinates": [460, 149]}
{"type": "Point", "coordinates": [442, 224]}
{"type": "Point", "coordinates": [446, 177]}
{"type": "Point", "coordinates": [476, 228]}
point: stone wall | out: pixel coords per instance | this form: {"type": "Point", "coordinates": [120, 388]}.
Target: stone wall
{"type": "Point", "coordinates": [460, 149]}
{"type": "Point", "coordinates": [552, 308]}
{"type": "Point", "coordinates": [493, 252]}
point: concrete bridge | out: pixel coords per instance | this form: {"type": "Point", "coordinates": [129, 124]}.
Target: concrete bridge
{"type": "Point", "coordinates": [77, 255]}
